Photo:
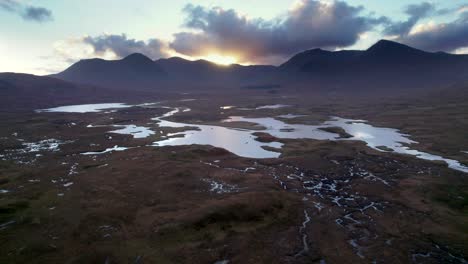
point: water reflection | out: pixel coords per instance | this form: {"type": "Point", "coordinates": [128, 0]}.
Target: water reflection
{"type": "Point", "coordinates": [85, 108]}
{"type": "Point", "coordinates": [135, 131]}
{"type": "Point", "coordinates": [238, 141]}
{"type": "Point", "coordinates": [241, 141]}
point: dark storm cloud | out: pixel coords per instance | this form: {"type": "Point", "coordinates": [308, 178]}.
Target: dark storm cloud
{"type": "Point", "coordinates": [122, 46]}
{"type": "Point", "coordinates": [309, 24]}
{"type": "Point", "coordinates": [431, 37]}
{"type": "Point", "coordinates": [441, 37]}
{"type": "Point", "coordinates": [415, 13]}
{"type": "Point", "coordinates": [31, 13]}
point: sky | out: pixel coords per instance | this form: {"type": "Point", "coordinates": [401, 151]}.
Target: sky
{"type": "Point", "coordinates": [46, 36]}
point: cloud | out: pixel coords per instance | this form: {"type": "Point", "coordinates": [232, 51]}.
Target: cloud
{"type": "Point", "coordinates": [38, 14]}
{"type": "Point", "coordinates": [439, 37]}
{"type": "Point", "coordinates": [415, 12]}
{"type": "Point", "coordinates": [107, 46]}
{"type": "Point", "coordinates": [27, 12]}
{"type": "Point", "coordinates": [431, 36]}
{"type": "Point", "coordinates": [122, 46]}
{"type": "Point", "coordinates": [462, 9]}
{"type": "Point", "coordinates": [308, 24]}
{"type": "Point", "coordinates": [9, 5]}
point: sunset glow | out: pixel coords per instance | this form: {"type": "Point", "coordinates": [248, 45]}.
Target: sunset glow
{"type": "Point", "coordinates": [220, 59]}
{"type": "Point", "coordinates": [223, 32]}
{"type": "Point", "coordinates": [256, 132]}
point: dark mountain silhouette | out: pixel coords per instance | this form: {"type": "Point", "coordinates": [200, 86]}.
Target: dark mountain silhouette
{"type": "Point", "coordinates": [135, 69]}
{"type": "Point", "coordinates": [138, 72]}
{"type": "Point", "coordinates": [386, 66]}
{"type": "Point", "coordinates": [184, 71]}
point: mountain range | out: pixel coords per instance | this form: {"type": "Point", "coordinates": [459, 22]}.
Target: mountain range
{"type": "Point", "coordinates": [385, 66]}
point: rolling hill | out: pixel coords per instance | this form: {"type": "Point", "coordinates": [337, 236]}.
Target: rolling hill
{"type": "Point", "coordinates": [27, 92]}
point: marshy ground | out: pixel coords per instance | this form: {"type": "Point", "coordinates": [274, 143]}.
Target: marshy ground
{"type": "Point", "coordinates": [319, 202]}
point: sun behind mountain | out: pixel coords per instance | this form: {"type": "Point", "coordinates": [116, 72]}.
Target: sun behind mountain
{"type": "Point", "coordinates": [220, 59]}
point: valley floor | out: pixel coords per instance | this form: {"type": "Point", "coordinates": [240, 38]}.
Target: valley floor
{"type": "Point", "coordinates": [320, 202]}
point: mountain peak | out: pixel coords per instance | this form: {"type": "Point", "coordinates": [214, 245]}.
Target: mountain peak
{"type": "Point", "coordinates": [388, 46]}
{"type": "Point", "coordinates": [316, 51]}
{"type": "Point", "coordinates": [386, 42]}
{"type": "Point", "coordinates": [137, 57]}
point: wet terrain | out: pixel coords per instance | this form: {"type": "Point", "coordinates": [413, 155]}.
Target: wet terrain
{"type": "Point", "coordinates": [102, 187]}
